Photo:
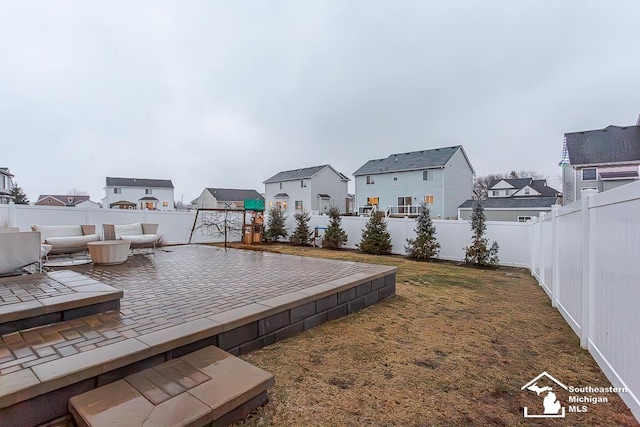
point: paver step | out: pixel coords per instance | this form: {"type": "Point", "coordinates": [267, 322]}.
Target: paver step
{"type": "Point", "coordinates": [208, 386]}
{"type": "Point", "coordinates": [42, 299]}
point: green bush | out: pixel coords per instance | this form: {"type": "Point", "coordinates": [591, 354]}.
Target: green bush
{"type": "Point", "coordinates": [335, 236]}
{"type": "Point", "coordinates": [376, 240]}
{"type": "Point", "coordinates": [275, 225]}
{"type": "Point", "coordinates": [302, 234]}
{"type": "Point", "coordinates": [424, 246]}
{"type": "Point", "coordinates": [480, 253]}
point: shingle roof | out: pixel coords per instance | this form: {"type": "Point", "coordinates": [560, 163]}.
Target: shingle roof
{"type": "Point", "coordinates": [64, 198]}
{"type": "Point", "coordinates": [512, 202]}
{"type": "Point", "coordinates": [304, 173]}
{"type": "Point", "coordinates": [5, 171]}
{"type": "Point", "coordinates": [612, 144]}
{"type": "Point", "coordinates": [138, 182]}
{"type": "Point", "coordinates": [233, 194]}
{"type": "Point", "coordinates": [422, 159]}
{"type": "Point", "coordinates": [540, 185]}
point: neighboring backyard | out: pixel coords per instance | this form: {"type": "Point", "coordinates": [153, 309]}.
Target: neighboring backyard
{"type": "Point", "coordinates": [453, 347]}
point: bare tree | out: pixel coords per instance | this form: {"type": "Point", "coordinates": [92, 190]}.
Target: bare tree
{"type": "Point", "coordinates": [482, 183]}
{"type": "Point", "coordinates": [75, 192]}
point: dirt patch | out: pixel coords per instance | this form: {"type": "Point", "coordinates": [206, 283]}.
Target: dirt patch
{"type": "Point", "coordinates": [453, 348]}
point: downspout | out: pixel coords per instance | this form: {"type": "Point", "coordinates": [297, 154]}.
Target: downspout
{"type": "Point", "coordinates": [443, 169]}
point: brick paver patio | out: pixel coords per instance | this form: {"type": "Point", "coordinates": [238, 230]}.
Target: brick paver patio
{"type": "Point", "coordinates": [176, 285]}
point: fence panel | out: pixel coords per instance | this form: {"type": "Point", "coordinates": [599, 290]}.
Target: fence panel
{"type": "Point", "coordinates": [569, 229]}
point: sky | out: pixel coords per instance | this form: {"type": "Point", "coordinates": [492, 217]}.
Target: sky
{"type": "Point", "coordinates": [229, 93]}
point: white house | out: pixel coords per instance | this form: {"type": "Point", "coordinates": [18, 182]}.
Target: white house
{"type": "Point", "coordinates": [315, 189]}
{"type": "Point", "coordinates": [599, 159]}
{"type": "Point", "coordinates": [514, 199]}
{"type": "Point", "coordinates": [441, 177]}
{"type": "Point", "coordinates": [137, 193]}
{"type": "Point", "coordinates": [221, 198]}
{"type": "Point", "coordinates": [6, 186]}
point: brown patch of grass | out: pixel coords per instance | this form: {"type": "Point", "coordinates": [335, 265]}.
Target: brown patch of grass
{"type": "Point", "coordinates": [453, 348]}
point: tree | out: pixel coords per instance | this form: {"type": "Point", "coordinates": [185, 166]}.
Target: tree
{"type": "Point", "coordinates": [482, 183]}
{"type": "Point", "coordinates": [19, 198]}
{"type": "Point", "coordinates": [302, 234]}
{"type": "Point", "coordinates": [75, 192]}
{"type": "Point", "coordinates": [376, 239]}
{"type": "Point", "coordinates": [424, 246]}
{"type": "Point", "coordinates": [275, 225]}
{"type": "Point", "coordinates": [334, 236]}
{"type": "Point", "coordinates": [479, 253]}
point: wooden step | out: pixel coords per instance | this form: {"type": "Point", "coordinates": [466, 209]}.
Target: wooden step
{"type": "Point", "coordinates": [204, 387]}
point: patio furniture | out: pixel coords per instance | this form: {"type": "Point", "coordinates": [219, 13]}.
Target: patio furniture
{"type": "Point", "coordinates": [141, 235]}
{"type": "Point", "coordinates": [66, 238]}
{"type": "Point", "coordinates": [19, 249]}
{"type": "Point", "coordinates": [109, 252]}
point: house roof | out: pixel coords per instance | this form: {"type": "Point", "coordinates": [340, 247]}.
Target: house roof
{"type": "Point", "coordinates": [281, 196]}
{"type": "Point", "coordinates": [5, 171]}
{"type": "Point", "coordinates": [514, 182]}
{"type": "Point", "coordinates": [304, 173]}
{"type": "Point", "coordinates": [233, 194]}
{"type": "Point", "coordinates": [149, 199]}
{"type": "Point", "coordinates": [64, 198]}
{"type": "Point", "coordinates": [138, 182]}
{"type": "Point", "coordinates": [512, 203]}
{"type": "Point", "coordinates": [123, 202]}
{"type": "Point", "coordinates": [423, 159]}
{"type": "Point", "coordinates": [613, 144]}
{"type": "Point", "coordinates": [539, 185]}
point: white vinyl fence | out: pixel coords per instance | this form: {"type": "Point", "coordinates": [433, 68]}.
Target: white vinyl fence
{"type": "Point", "coordinates": [586, 256]}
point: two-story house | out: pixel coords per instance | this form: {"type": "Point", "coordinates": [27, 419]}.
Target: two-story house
{"type": "Point", "coordinates": [221, 198]}
{"type": "Point", "coordinates": [599, 159]}
{"type": "Point", "coordinates": [440, 177]}
{"type": "Point", "coordinates": [137, 193]}
{"type": "Point", "coordinates": [6, 186]}
{"type": "Point", "coordinates": [514, 199]}
{"type": "Point", "coordinates": [315, 189]}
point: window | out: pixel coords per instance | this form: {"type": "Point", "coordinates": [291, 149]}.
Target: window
{"type": "Point", "coordinates": [429, 199]}
{"type": "Point", "coordinates": [372, 201]}
{"type": "Point", "coordinates": [495, 193]}
{"type": "Point", "coordinates": [507, 192]}
{"type": "Point", "coordinates": [69, 199]}
{"type": "Point", "coordinates": [117, 190]}
{"type": "Point", "coordinates": [526, 192]}
{"type": "Point", "coordinates": [395, 176]}
{"type": "Point", "coordinates": [147, 191]}
{"type": "Point", "coordinates": [590, 174]}
{"type": "Point", "coordinates": [524, 218]}
{"type": "Point", "coordinates": [427, 175]}
{"type": "Point", "coordinates": [165, 204]}
{"type": "Point", "coordinates": [299, 205]}
{"type": "Point", "coordinates": [303, 184]}
{"type": "Point", "coordinates": [281, 186]}
{"type": "Point", "coordinates": [282, 205]}
{"type": "Point", "coordinates": [370, 179]}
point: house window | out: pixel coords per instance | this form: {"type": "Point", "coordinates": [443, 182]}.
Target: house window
{"type": "Point", "coordinates": [147, 191]}
{"type": "Point", "coordinates": [590, 174]}
{"type": "Point", "coordinates": [281, 186]}
{"type": "Point", "coordinates": [372, 201]}
{"type": "Point", "coordinates": [526, 192]}
{"type": "Point", "coordinates": [69, 199]}
{"type": "Point", "coordinates": [495, 193]}
{"type": "Point", "coordinates": [282, 205]}
{"type": "Point", "coordinates": [429, 199]}
{"type": "Point", "coordinates": [395, 176]}
{"type": "Point", "coordinates": [427, 175]}
{"type": "Point", "coordinates": [165, 204]}
{"type": "Point", "coordinates": [507, 192]}
{"type": "Point", "coordinates": [524, 218]}
{"type": "Point", "coordinates": [370, 179]}
{"type": "Point", "coordinates": [303, 184]}
{"type": "Point", "coordinates": [298, 205]}
{"type": "Point", "coordinates": [117, 190]}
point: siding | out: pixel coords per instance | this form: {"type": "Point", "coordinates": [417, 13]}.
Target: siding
{"type": "Point", "coordinates": [295, 192]}
{"type": "Point", "coordinates": [458, 184]}
{"type": "Point", "coordinates": [132, 194]}
{"type": "Point", "coordinates": [328, 182]}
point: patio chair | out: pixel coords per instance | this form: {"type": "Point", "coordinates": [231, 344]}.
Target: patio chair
{"type": "Point", "coordinates": [141, 235]}
{"type": "Point", "coordinates": [19, 250]}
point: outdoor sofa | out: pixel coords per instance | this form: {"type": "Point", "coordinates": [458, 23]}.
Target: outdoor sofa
{"type": "Point", "coordinates": [66, 239]}
{"type": "Point", "coordinates": [141, 235]}
{"type": "Point", "coordinates": [18, 249]}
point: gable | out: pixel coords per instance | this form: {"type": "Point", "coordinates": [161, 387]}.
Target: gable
{"type": "Point", "coordinates": [523, 192]}
{"type": "Point", "coordinates": [502, 185]}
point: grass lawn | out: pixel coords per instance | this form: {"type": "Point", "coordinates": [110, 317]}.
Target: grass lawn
{"type": "Point", "coordinates": [453, 347]}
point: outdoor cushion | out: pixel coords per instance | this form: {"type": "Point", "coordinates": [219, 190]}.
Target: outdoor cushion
{"type": "Point", "coordinates": [128, 230]}
{"type": "Point", "coordinates": [141, 238]}
{"type": "Point", "coordinates": [47, 231]}
{"type": "Point", "coordinates": [72, 241]}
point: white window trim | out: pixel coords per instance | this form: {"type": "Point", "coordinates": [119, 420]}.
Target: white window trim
{"type": "Point", "coordinates": [588, 180]}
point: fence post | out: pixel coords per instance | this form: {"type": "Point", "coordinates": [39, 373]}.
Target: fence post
{"type": "Point", "coordinates": [532, 246]}
{"type": "Point", "coordinates": [555, 286]}
{"type": "Point", "coordinates": [12, 214]}
{"type": "Point", "coordinates": [587, 270]}
{"type": "Point", "coordinates": [542, 252]}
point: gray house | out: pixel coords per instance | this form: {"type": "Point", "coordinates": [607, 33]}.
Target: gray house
{"type": "Point", "coordinates": [599, 159]}
{"type": "Point", "coordinates": [225, 197]}
{"type": "Point", "coordinates": [517, 199]}
{"type": "Point", "coordinates": [441, 177]}
{"type": "Point", "coordinates": [6, 186]}
{"type": "Point", "coordinates": [315, 189]}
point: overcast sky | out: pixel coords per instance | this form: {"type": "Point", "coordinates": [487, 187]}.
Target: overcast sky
{"type": "Point", "coordinates": [227, 94]}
